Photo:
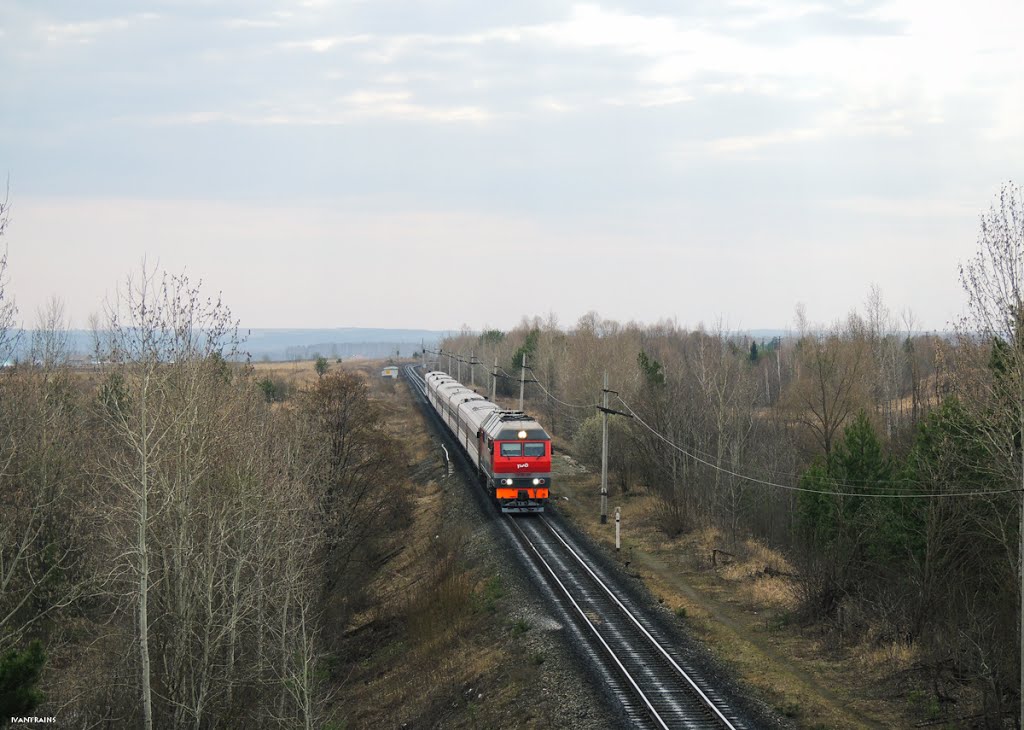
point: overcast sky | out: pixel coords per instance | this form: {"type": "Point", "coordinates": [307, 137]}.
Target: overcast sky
{"type": "Point", "coordinates": [434, 163]}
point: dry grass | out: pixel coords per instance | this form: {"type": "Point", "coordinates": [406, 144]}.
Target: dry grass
{"type": "Point", "coordinates": [743, 607]}
{"type": "Point", "coordinates": [436, 635]}
{"type": "Point", "coordinates": [761, 577]}
{"type": "Point", "coordinates": [894, 656]}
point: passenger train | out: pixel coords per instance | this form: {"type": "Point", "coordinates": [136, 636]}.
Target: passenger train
{"type": "Point", "coordinates": [510, 450]}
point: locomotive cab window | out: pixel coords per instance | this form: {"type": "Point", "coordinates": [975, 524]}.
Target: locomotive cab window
{"type": "Point", "coordinates": [512, 449]}
{"type": "Point", "coordinates": [533, 449]}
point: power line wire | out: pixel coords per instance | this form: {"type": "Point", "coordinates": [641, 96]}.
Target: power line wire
{"type": "Point", "coordinates": [776, 473]}
{"type": "Point", "coordinates": [551, 395]}
{"type": "Point", "coordinates": [696, 455]}
{"type": "Point", "coordinates": [792, 488]}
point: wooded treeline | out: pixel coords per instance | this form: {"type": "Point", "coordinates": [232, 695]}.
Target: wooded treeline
{"type": "Point", "coordinates": [886, 463]}
{"type": "Point", "coordinates": [175, 550]}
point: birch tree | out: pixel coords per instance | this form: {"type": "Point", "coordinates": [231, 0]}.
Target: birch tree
{"type": "Point", "coordinates": [8, 308]}
{"type": "Point", "coordinates": [160, 329]}
{"type": "Point", "coordinates": [991, 336]}
{"type": "Point", "coordinates": [40, 499]}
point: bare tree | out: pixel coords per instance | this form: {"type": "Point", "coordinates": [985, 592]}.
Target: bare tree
{"type": "Point", "coordinates": [913, 365]}
{"type": "Point", "coordinates": [886, 356]}
{"type": "Point", "coordinates": [830, 387]}
{"type": "Point", "coordinates": [50, 337]}
{"type": "Point", "coordinates": [728, 392]}
{"type": "Point", "coordinates": [39, 434]}
{"type": "Point", "coordinates": [8, 308]}
{"type": "Point", "coordinates": [161, 331]}
{"type": "Point", "coordinates": [40, 490]}
{"type": "Point", "coordinates": [348, 453]}
{"type": "Point", "coordinates": [994, 330]}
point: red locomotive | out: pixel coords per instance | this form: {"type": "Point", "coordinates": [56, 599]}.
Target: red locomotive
{"type": "Point", "coordinates": [510, 450]}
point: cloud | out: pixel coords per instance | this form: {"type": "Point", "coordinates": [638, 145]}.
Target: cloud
{"type": "Point", "coordinates": [400, 105]}
{"type": "Point", "coordinates": [556, 108]}
{"type": "Point", "coordinates": [324, 44]}
{"type": "Point", "coordinates": [551, 104]}
{"type": "Point", "coordinates": [351, 108]}
{"type": "Point", "coordinates": [89, 31]}
{"type": "Point", "coordinates": [874, 68]}
{"type": "Point", "coordinates": [247, 23]}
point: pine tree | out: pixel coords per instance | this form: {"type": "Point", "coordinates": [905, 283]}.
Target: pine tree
{"type": "Point", "coordinates": [19, 674]}
{"type": "Point", "coordinates": [651, 369]}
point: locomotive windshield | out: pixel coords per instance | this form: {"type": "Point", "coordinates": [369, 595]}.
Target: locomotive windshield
{"type": "Point", "coordinates": [534, 449]}
{"type": "Point", "coordinates": [512, 449]}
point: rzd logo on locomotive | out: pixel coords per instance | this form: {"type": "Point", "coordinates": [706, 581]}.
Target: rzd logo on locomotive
{"type": "Point", "coordinates": [522, 466]}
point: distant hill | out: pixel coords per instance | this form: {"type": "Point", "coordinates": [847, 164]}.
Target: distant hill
{"type": "Point", "coordinates": [344, 342]}
{"type": "Point", "coordinates": [291, 344]}
{"type": "Point", "coordinates": [767, 334]}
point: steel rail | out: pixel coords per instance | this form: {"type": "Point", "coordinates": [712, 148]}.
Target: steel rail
{"type": "Point", "coordinates": [629, 614]}
{"type": "Point", "coordinates": [590, 625]}
{"type": "Point", "coordinates": [416, 378]}
{"type": "Point", "coordinates": [704, 701]}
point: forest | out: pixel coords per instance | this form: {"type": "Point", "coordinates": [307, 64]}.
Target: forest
{"type": "Point", "coordinates": [173, 545]}
{"type": "Point", "coordinates": [885, 462]}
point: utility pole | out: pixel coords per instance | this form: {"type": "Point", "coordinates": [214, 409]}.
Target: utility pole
{"type": "Point", "coordinates": [605, 411]}
{"type": "Point", "coordinates": [449, 363]}
{"type": "Point", "coordinates": [472, 371]}
{"type": "Point", "coordinates": [458, 359]}
{"type": "Point", "coordinates": [604, 450]}
{"type": "Point", "coordinates": [522, 382]}
{"type": "Point", "coordinates": [494, 381]}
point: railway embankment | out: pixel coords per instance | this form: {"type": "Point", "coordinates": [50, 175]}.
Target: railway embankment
{"type": "Point", "coordinates": [452, 633]}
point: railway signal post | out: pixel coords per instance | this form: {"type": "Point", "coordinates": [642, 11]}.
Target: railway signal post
{"type": "Point", "coordinates": [618, 526]}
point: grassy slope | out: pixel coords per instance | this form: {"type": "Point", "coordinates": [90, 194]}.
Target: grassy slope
{"type": "Point", "coordinates": [442, 641]}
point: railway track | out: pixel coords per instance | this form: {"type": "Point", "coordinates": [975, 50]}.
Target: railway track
{"type": "Point", "coordinates": [664, 693]}
{"type": "Point", "coordinates": [656, 688]}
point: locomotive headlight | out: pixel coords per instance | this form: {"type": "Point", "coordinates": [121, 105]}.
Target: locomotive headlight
{"type": "Point", "coordinates": [508, 482]}
{"type": "Point", "coordinates": [536, 482]}
{"type": "Point", "coordinates": [522, 434]}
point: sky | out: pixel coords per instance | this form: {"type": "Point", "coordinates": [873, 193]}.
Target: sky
{"type": "Point", "coordinates": [453, 162]}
